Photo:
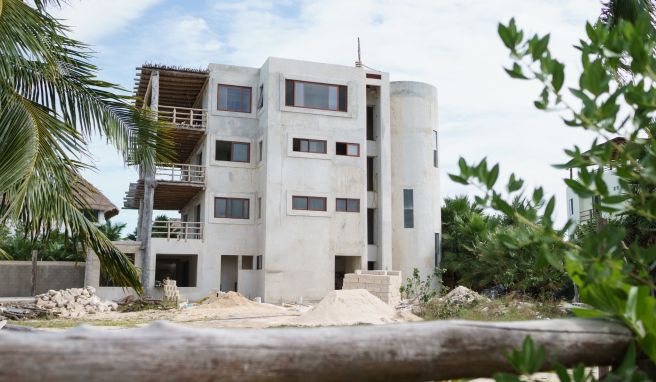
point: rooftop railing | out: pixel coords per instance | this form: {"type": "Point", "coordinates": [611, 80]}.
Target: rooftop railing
{"type": "Point", "coordinates": [184, 116]}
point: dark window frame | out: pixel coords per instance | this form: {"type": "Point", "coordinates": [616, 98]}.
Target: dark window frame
{"type": "Point", "coordinates": [232, 151]}
{"type": "Point", "coordinates": [370, 122]}
{"type": "Point", "coordinates": [340, 88]}
{"type": "Point", "coordinates": [347, 146]}
{"type": "Point", "coordinates": [244, 264]}
{"type": "Point", "coordinates": [346, 201]}
{"type": "Point", "coordinates": [325, 145]}
{"type": "Point", "coordinates": [408, 212]}
{"type": "Point", "coordinates": [260, 98]}
{"type": "Point", "coordinates": [247, 209]}
{"type": "Point", "coordinates": [307, 202]}
{"type": "Point", "coordinates": [241, 88]}
{"type": "Point", "coordinates": [258, 262]}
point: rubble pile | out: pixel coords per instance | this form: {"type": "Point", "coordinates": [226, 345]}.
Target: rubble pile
{"type": "Point", "coordinates": [74, 302]}
{"type": "Point", "coordinates": [463, 296]}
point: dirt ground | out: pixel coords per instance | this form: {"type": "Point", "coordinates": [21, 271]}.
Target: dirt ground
{"type": "Point", "coordinates": [231, 310]}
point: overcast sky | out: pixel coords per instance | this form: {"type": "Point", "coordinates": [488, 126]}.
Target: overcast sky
{"type": "Point", "coordinates": [450, 44]}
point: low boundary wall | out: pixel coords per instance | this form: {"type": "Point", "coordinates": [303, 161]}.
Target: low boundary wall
{"type": "Point", "coordinates": [16, 277]}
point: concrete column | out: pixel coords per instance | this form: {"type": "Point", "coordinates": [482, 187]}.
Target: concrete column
{"type": "Point", "coordinates": [146, 215]}
{"type": "Point", "coordinates": [384, 217]}
{"type": "Point", "coordinates": [413, 121]}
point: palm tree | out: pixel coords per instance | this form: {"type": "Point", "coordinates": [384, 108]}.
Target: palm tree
{"type": "Point", "coordinates": [629, 10]}
{"type": "Point", "coordinates": [51, 104]}
{"type": "Point", "coordinates": [111, 230]}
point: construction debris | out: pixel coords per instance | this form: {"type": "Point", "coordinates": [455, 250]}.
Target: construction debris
{"type": "Point", "coordinates": [383, 284]}
{"type": "Point", "coordinates": [74, 302]}
{"type": "Point", "coordinates": [352, 307]}
{"type": "Point", "coordinates": [463, 296]}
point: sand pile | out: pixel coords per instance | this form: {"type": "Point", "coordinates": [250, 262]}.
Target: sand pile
{"type": "Point", "coordinates": [222, 305]}
{"type": "Point", "coordinates": [351, 307]}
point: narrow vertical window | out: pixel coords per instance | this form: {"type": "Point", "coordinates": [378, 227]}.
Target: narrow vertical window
{"type": "Point", "coordinates": [258, 262]}
{"type": "Point", "coordinates": [370, 173]}
{"type": "Point", "coordinates": [435, 160]}
{"type": "Point", "coordinates": [371, 230]}
{"type": "Point", "coordinates": [408, 209]}
{"type": "Point", "coordinates": [260, 98]}
{"type": "Point", "coordinates": [259, 208]}
{"type": "Point", "coordinates": [438, 250]}
{"type": "Point", "coordinates": [571, 206]}
{"type": "Point", "coordinates": [370, 123]}
{"type": "Point", "coordinates": [260, 146]}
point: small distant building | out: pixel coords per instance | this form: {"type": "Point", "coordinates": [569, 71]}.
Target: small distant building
{"type": "Point", "coordinates": [584, 210]}
{"type": "Point", "coordinates": [95, 205]}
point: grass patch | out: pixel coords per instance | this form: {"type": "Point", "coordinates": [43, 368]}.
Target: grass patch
{"type": "Point", "coordinates": [71, 323]}
{"type": "Point", "coordinates": [507, 308]}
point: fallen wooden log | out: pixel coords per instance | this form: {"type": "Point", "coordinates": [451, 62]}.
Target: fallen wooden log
{"type": "Point", "coordinates": [421, 351]}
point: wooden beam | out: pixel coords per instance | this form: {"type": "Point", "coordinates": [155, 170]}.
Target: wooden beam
{"type": "Point", "coordinates": [436, 350]}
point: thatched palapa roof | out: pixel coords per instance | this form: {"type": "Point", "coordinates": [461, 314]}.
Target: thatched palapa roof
{"type": "Point", "coordinates": [90, 198]}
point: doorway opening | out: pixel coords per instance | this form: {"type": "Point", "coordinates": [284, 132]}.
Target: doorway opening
{"type": "Point", "coordinates": [229, 271]}
{"type": "Point", "coordinates": [344, 265]}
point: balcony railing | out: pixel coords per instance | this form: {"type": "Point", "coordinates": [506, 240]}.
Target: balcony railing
{"type": "Point", "coordinates": [587, 215]}
{"type": "Point", "coordinates": [178, 230]}
{"type": "Point", "coordinates": [183, 116]}
{"type": "Point", "coordinates": [180, 172]}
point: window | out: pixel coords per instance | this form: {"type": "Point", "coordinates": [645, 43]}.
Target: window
{"type": "Point", "coordinates": [347, 205]}
{"type": "Point", "coordinates": [181, 268]}
{"type": "Point", "coordinates": [233, 151]}
{"type": "Point", "coordinates": [371, 265]}
{"type": "Point", "coordinates": [349, 149]}
{"type": "Point", "coordinates": [370, 123]}
{"type": "Point", "coordinates": [408, 209]}
{"type": "Point", "coordinates": [247, 262]}
{"type": "Point", "coordinates": [234, 98]}
{"type": "Point", "coordinates": [258, 260]}
{"type": "Point", "coordinates": [315, 95]}
{"type": "Point", "coordinates": [309, 146]}
{"type": "Point", "coordinates": [310, 203]}
{"type": "Point", "coordinates": [571, 206]}
{"type": "Point", "coordinates": [260, 98]}
{"type": "Point", "coordinates": [231, 208]}
{"type": "Point", "coordinates": [435, 149]}
{"type": "Point", "coordinates": [260, 146]}
{"type": "Point", "coordinates": [370, 173]}
{"type": "Point", "coordinates": [371, 232]}
{"type": "Point", "coordinates": [438, 250]}
{"type": "Point", "coordinates": [259, 208]}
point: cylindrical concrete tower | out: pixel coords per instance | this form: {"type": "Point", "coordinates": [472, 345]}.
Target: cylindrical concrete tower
{"type": "Point", "coordinates": [416, 219]}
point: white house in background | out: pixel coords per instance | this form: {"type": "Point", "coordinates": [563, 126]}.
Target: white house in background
{"type": "Point", "coordinates": [287, 177]}
{"type": "Point", "coordinates": [582, 210]}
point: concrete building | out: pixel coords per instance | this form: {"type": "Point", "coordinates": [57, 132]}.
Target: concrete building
{"type": "Point", "coordinates": [287, 177]}
{"type": "Point", "coordinates": [583, 210]}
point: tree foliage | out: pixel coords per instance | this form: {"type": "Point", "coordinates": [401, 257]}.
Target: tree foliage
{"type": "Point", "coordinates": [51, 104]}
{"type": "Point", "coordinates": [478, 252]}
{"type": "Point", "coordinates": [614, 278]}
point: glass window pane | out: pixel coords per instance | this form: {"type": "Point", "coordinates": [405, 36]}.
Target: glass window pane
{"type": "Point", "coordinates": [246, 100]}
{"type": "Point", "coordinates": [332, 97]}
{"type": "Point", "coordinates": [318, 204]}
{"type": "Point", "coordinates": [223, 150]}
{"type": "Point", "coordinates": [340, 205]}
{"type": "Point", "coordinates": [220, 208]}
{"type": "Point", "coordinates": [299, 203]}
{"type": "Point", "coordinates": [240, 152]}
{"type": "Point", "coordinates": [236, 208]}
{"type": "Point", "coordinates": [317, 146]}
{"type": "Point", "coordinates": [407, 199]}
{"type": "Point", "coordinates": [408, 219]}
{"type": "Point", "coordinates": [305, 145]}
{"type": "Point", "coordinates": [223, 97]}
{"type": "Point", "coordinates": [340, 148]}
{"type": "Point", "coordinates": [353, 149]}
{"type": "Point", "coordinates": [342, 98]}
{"type": "Point", "coordinates": [353, 205]}
{"type": "Point", "coordinates": [289, 93]}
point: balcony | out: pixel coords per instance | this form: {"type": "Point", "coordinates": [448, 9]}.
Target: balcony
{"type": "Point", "coordinates": [190, 128]}
{"type": "Point", "coordinates": [178, 230]}
{"type": "Point", "coordinates": [587, 215]}
{"type": "Point", "coordinates": [175, 186]}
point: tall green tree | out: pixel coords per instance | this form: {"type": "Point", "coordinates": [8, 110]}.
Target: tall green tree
{"type": "Point", "coordinates": [51, 105]}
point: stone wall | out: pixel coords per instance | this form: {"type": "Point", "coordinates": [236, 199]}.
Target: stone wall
{"type": "Point", "coordinates": [382, 284]}
{"type": "Point", "coordinates": [16, 277]}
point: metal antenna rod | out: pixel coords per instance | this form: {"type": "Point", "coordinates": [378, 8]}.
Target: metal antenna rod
{"type": "Point", "coordinates": [358, 63]}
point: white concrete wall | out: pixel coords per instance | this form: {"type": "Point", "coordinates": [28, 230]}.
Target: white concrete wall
{"type": "Point", "coordinates": [413, 120]}
{"type": "Point", "coordinates": [300, 247]}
